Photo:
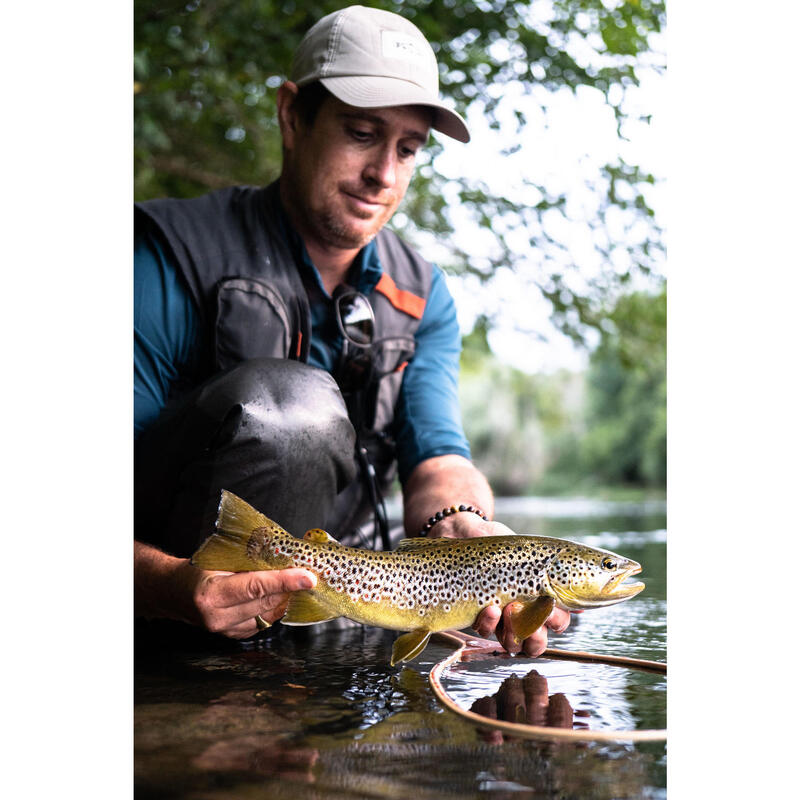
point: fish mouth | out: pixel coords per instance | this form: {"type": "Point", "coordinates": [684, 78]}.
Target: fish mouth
{"type": "Point", "coordinates": [618, 588]}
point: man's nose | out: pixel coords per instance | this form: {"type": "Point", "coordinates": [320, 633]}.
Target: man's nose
{"type": "Point", "coordinates": [382, 168]}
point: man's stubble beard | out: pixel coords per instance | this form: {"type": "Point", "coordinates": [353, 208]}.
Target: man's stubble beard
{"type": "Point", "coordinates": [327, 224]}
{"type": "Point", "coordinates": [340, 234]}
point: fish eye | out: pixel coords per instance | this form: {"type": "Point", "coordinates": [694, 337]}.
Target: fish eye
{"type": "Point", "coordinates": [609, 563]}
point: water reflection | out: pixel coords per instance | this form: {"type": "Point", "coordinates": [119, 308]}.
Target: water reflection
{"type": "Point", "coordinates": [526, 700]}
{"type": "Point", "coordinates": [325, 716]}
{"type": "Point", "coordinates": [254, 740]}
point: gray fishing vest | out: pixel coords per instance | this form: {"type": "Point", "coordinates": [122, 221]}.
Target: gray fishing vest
{"type": "Point", "coordinates": [232, 253]}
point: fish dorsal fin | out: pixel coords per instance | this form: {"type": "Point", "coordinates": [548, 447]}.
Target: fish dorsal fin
{"type": "Point", "coordinates": [417, 543]}
{"type": "Point", "coordinates": [319, 536]}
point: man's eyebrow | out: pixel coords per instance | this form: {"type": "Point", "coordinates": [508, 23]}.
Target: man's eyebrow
{"type": "Point", "coordinates": [376, 119]}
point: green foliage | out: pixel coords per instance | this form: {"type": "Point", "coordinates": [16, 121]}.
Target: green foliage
{"type": "Point", "coordinates": [517, 424]}
{"type": "Point", "coordinates": [626, 416]}
{"type": "Point", "coordinates": [206, 71]}
{"type": "Point", "coordinates": [572, 432]}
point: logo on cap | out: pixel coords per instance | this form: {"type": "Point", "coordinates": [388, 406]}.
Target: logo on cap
{"type": "Point", "coordinates": [399, 45]}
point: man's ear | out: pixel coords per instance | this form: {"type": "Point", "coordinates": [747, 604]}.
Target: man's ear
{"type": "Point", "coordinates": [287, 115]}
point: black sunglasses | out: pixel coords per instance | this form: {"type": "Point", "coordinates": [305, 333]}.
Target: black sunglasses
{"type": "Point", "coordinates": [355, 318]}
{"type": "Point", "coordinates": [365, 359]}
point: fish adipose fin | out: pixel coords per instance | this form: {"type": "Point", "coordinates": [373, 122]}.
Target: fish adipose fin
{"type": "Point", "coordinates": [531, 616]}
{"type": "Point", "coordinates": [306, 609]}
{"type": "Point", "coordinates": [320, 536]}
{"type": "Point", "coordinates": [410, 645]}
{"type": "Point", "coordinates": [227, 548]}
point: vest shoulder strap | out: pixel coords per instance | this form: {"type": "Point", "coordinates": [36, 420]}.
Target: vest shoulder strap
{"type": "Point", "coordinates": [235, 262]}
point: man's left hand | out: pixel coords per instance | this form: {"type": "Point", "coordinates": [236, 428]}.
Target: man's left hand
{"type": "Point", "coordinates": [493, 620]}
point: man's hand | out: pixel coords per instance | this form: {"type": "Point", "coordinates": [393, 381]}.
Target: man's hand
{"type": "Point", "coordinates": [492, 620]}
{"type": "Point", "coordinates": [227, 603]}
{"type": "Point", "coordinates": [221, 602]}
{"type": "Point", "coordinates": [467, 525]}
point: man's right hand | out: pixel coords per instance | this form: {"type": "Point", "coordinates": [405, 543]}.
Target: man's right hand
{"type": "Point", "coordinates": [221, 602]}
{"type": "Point", "coordinates": [228, 602]}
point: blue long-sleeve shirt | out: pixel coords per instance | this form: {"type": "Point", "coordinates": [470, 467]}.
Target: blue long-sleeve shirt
{"type": "Point", "coordinates": [169, 343]}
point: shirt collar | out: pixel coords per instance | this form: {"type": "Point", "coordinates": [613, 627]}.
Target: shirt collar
{"type": "Point", "coordinates": [366, 271]}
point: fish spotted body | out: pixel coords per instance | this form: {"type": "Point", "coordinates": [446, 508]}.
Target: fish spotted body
{"type": "Point", "coordinates": [426, 585]}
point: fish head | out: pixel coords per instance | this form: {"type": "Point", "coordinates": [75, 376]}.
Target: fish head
{"type": "Point", "coordinates": [588, 577]}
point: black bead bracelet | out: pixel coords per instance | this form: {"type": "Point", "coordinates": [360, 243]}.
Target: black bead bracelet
{"type": "Point", "coordinates": [446, 512]}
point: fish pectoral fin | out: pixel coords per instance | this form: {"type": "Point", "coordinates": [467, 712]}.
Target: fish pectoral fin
{"type": "Point", "coordinates": [305, 608]}
{"type": "Point", "coordinates": [318, 535]}
{"type": "Point", "coordinates": [410, 645]}
{"type": "Point", "coordinates": [531, 616]}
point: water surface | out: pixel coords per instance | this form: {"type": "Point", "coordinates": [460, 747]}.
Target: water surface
{"type": "Point", "coordinates": [319, 713]}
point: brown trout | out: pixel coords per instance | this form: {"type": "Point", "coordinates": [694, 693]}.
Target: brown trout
{"type": "Point", "coordinates": [425, 585]}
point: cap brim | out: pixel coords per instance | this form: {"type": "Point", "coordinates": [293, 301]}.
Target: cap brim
{"type": "Point", "coordinates": [378, 92]}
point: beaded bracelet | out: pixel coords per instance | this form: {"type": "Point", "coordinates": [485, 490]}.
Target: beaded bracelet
{"type": "Point", "coordinates": [446, 512]}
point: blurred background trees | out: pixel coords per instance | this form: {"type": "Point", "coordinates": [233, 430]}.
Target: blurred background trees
{"type": "Point", "coordinates": [567, 432]}
{"type": "Point", "coordinates": [493, 214]}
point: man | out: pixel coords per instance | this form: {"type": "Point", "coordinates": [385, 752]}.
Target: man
{"type": "Point", "coordinates": [290, 349]}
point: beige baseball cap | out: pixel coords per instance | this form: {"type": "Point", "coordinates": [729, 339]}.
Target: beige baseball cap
{"type": "Point", "coordinates": [371, 58]}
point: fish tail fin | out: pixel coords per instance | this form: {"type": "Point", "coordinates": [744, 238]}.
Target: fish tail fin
{"type": "Point", "coordinates": [236, 516]}
{"type": "Point", "coordinates": [227, 548]}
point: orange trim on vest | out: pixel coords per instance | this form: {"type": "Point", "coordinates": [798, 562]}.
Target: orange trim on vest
{"type": "Point", "coordinates": [401, 299]}
{"type": "Point", "coordinates": [299, 343]}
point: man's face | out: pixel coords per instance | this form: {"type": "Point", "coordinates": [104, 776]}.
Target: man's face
{"type": "Point", "coordinates": [345, 175]}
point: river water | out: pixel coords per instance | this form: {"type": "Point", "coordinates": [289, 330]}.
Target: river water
{"type": "Point", "coordinates": [319, 713]}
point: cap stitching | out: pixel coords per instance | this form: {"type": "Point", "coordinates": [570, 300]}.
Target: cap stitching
{"type": "Point", "coordinates": [333, 42]}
